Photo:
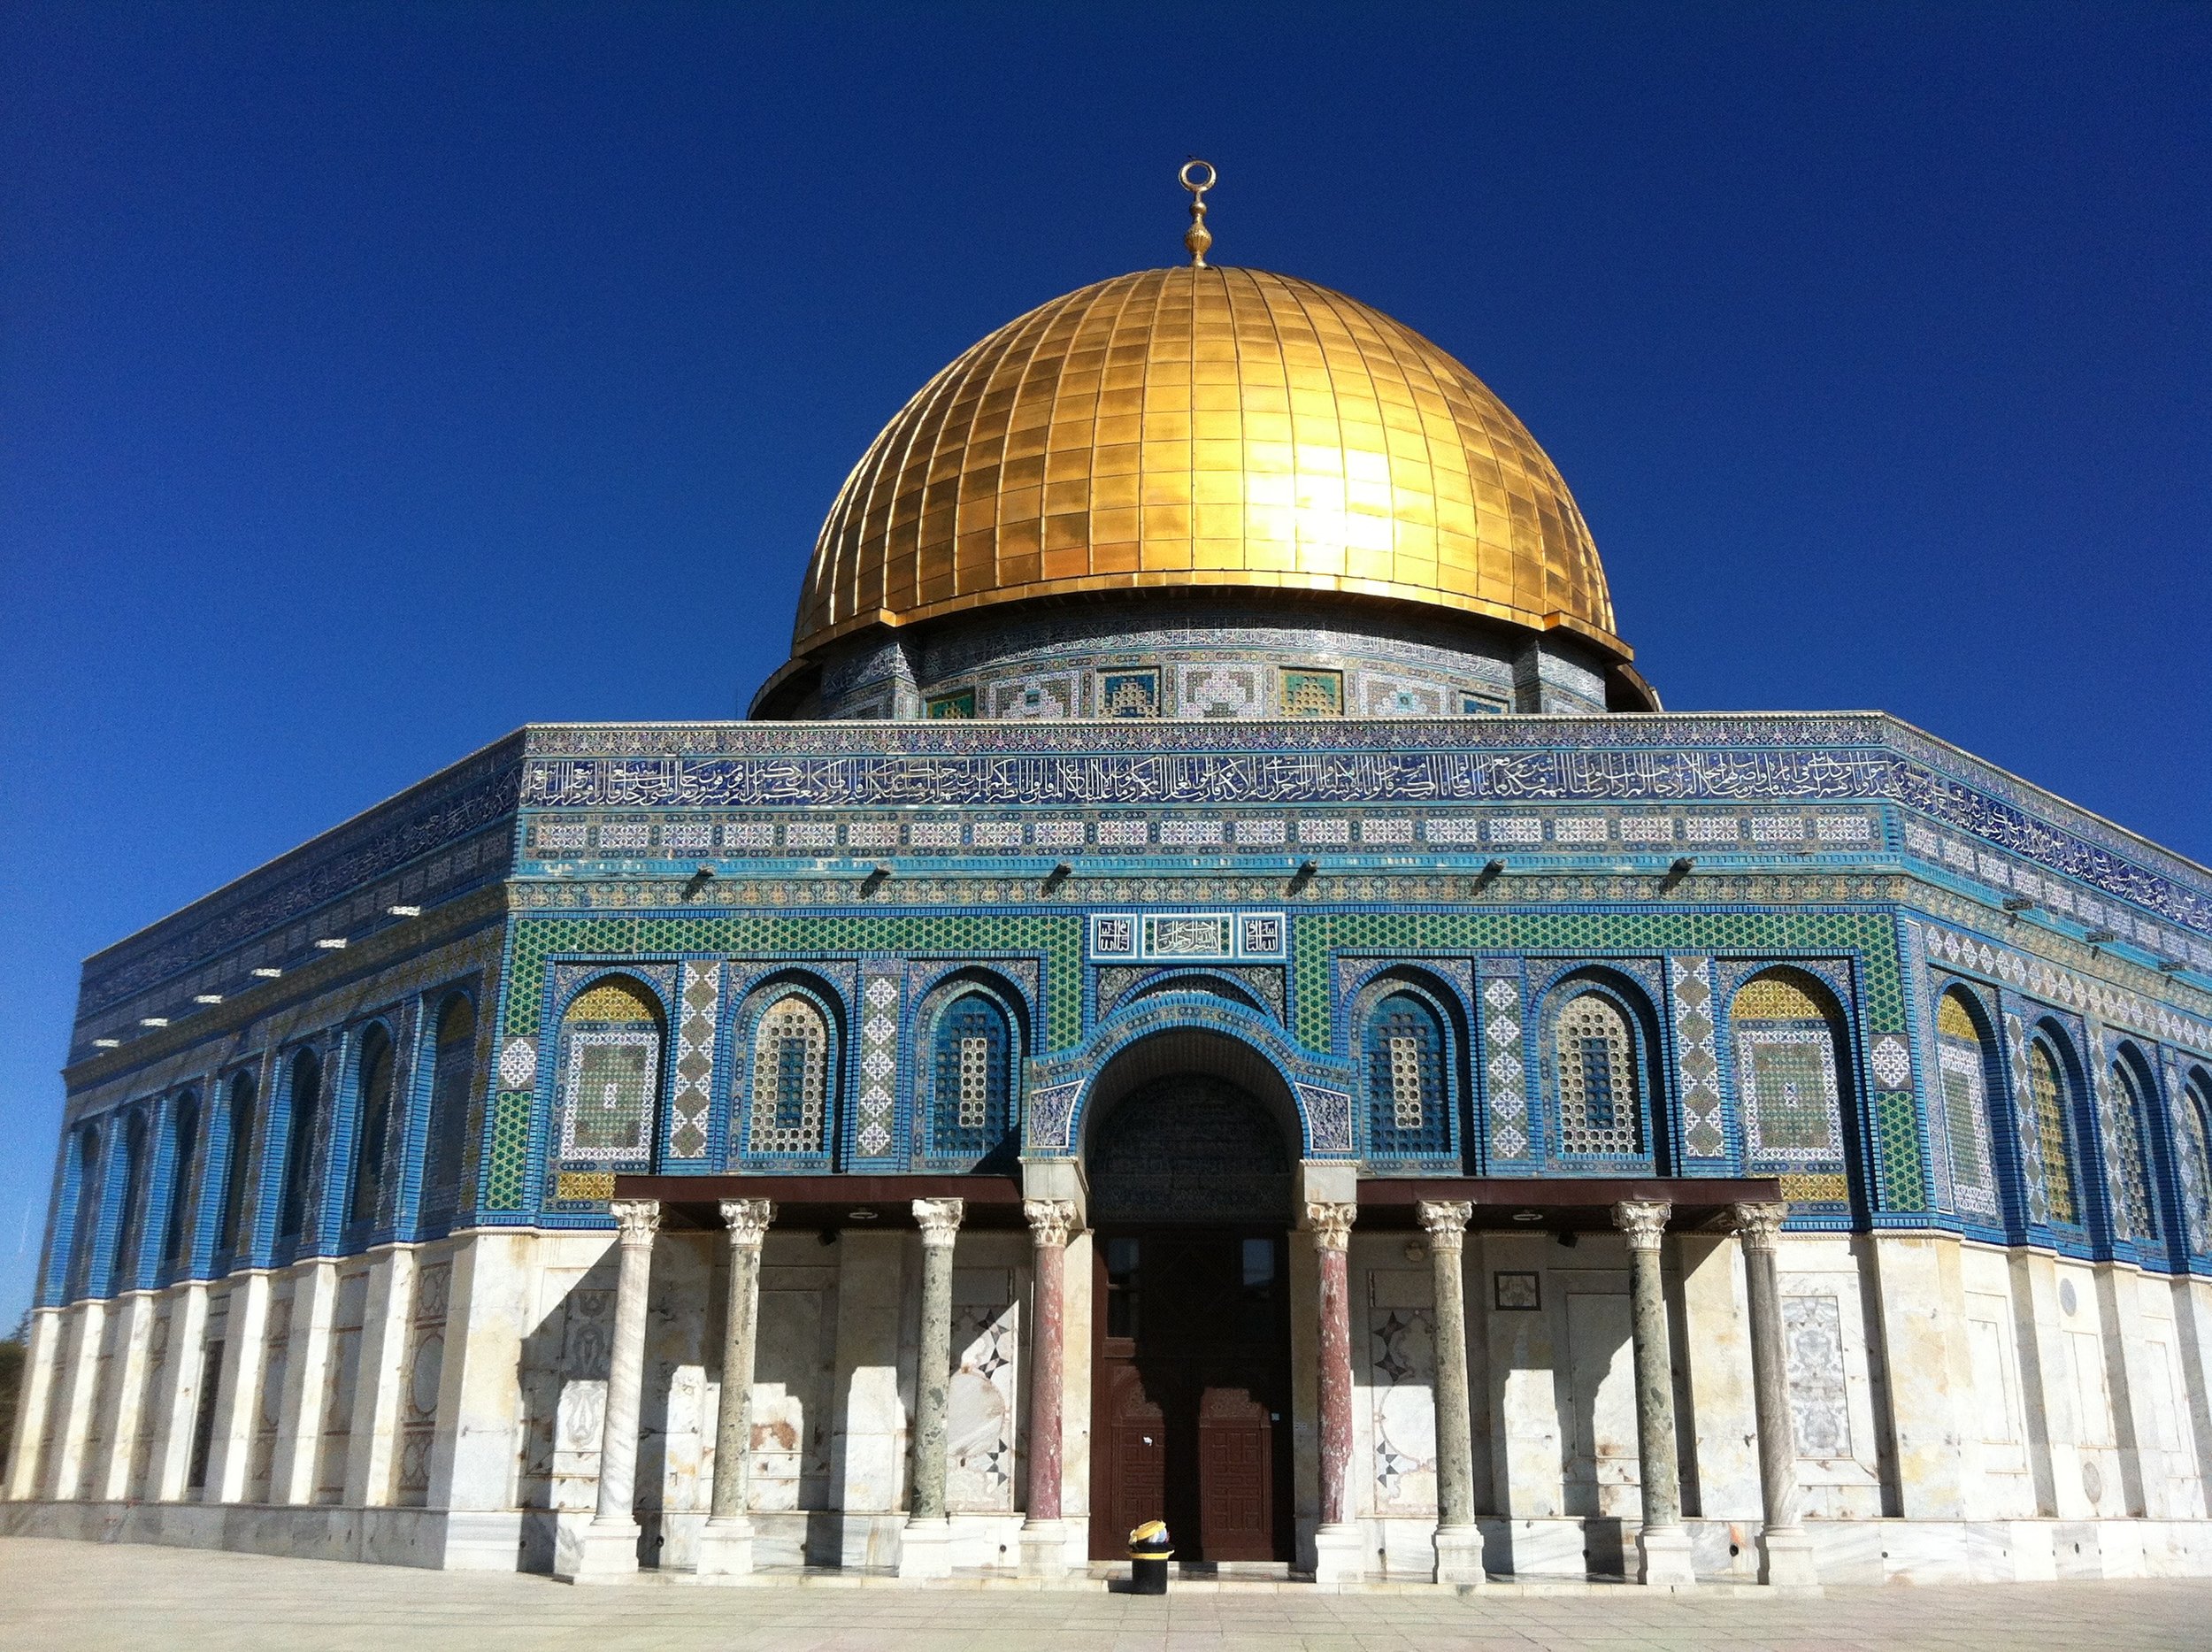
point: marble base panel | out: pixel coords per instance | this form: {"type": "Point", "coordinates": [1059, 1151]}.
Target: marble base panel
{"type": "Point", "coordinates": [433, 1538]}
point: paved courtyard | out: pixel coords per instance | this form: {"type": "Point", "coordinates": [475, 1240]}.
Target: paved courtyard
{"type": "Point", "coordinates": [89, 1596]}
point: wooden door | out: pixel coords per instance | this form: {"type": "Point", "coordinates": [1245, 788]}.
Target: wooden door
{"type": "Point", "coordinates": [1192, 1391]}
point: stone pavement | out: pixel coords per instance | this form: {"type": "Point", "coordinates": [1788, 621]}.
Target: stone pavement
{"type": "Point", "coordinates": [88, 1597]}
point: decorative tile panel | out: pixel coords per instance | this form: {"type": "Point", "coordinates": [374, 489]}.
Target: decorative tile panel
{"type": "Point", "coordinates": [691, 1097]}
{"type": "Point", "coordinates": [1505, 1069]}
{"type": "Point", "coordinates": [875, 1121]}
{"type": "Point", "coordinates": [1704, 1130]}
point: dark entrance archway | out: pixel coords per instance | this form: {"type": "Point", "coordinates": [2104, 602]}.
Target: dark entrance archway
{"type": "Point", "coordinates": [1191, 1174]}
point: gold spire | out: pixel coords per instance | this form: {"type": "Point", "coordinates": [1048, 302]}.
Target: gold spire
{"type": "Point", "coordinates": [1197, 238]}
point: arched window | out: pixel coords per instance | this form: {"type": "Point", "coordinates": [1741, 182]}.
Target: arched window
{"type": "Point", "coordinates": [2048, 1106]}
{"type": "Point", "coordinates": [611, 1075]}
{"type": "Point", "coordinates": [971, 1111]}
{"type": "Point", "coordinates": [1408, 1104]}
{"type": "Point", "coordinates": [1599, 1109]}
{"type": "Point", "coordinates": [86, 1236]}
{"type": "Point", "coordinates": [452, 1078]}
{"type": "Point", "coordinates": [238, 1173]}
{"type": "Point", "coordinates": [373, 1084]}
{"type": "Point", "coordinates": [2194, 1134]}
{"type": "Point", "coordinates": [123, 1265]}
{"type": "Point", "coordinates": [2135, 1211]}
{"type": "Point", "coordinates": [791, 1080]}
{"type": "Point", "coordinates": [1962, 1061]}
{"type": "Point", "coordinates": [1785, 1078]}
{"type": "Point", "coordinates": [184, 1162]}
{"type": "Point", "coordinates": [302, 1115]}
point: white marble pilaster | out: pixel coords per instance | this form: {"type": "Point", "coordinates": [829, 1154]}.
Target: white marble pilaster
{"type": "Point", "coordinates": [80, 1392]}
{"type": "Point", "coordinates": [476, 1452]}
{"type": "Point", "coordinates": [177, 1407]}
{"type": "Point", "coordinates": [1928, 1369]}
{"type": "Point", "coordinates": [238, 1398]}
{"type": "Point", "coordinates": [376, 1391]}
{"type": "Point", "coordinates": [31, 1403]}
{"type": "Point", "coordinates": [131, 1334]}
{"type": "Point", "coordinates": [306, 1368]}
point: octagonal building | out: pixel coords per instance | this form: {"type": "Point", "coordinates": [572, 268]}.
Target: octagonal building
{"type": "Point", "coordinates": [1207, 988]}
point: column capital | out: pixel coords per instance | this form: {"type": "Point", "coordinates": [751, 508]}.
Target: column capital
{"type": "Point", "coordinates": [938, 1219]}
{"type": "Point", "coordinates": [1758, 1226]}
{"type": "Point", "coordinates": [1643, 1220]}
{"type": "Point", "coordinates": [748, 1220]}
{"type": "Point", "coordinates": [1444, 1221]}
{"type": "Point", "coordinates": [636, 1220]}
{"type": "Point", "coordinates": [1331, 1222]}
{"type": "Point", "coordinates": [1050, 1220]}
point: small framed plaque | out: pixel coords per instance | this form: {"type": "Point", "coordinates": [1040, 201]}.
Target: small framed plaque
{"type": "Point", "coordinates": [1516, 1292]}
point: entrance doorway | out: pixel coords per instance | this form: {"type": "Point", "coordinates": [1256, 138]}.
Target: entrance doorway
{"type": "Point", "coordinates": [1190, 1384]}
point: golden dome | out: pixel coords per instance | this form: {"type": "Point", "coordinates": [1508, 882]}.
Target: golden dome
{"type": "Point", "coordinates": [1203, 427]}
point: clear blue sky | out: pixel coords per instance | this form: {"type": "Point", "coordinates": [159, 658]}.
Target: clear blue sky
{"type": "Point", "coordinates": [375, 379]}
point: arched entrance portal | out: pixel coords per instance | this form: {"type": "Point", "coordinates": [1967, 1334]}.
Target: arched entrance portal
{"type": "Point", "coordinates": [1191, 1160]}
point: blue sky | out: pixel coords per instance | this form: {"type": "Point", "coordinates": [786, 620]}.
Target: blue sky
{"type": "Point", "coordinates": [375, 379]}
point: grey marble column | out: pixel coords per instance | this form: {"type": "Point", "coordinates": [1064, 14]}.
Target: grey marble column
{"type": "Point", "coordinates": [1785, 1553]}
{"type": "Point", "coordinates": [605, 1551]}
{"type": "Point", "coordinates": [726, 1543]}
{"type": "Point", "coordinates": [1458, 1540]}
{"type": "Point", "coordinates": [1662, 1547]}
{"type": "Point", "coordinates": [925, 1548]}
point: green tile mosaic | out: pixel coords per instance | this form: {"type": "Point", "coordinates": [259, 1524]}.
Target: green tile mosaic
{"type": "Point", "coordinates": [511, 1151]}
{"type": "Point", "coordinates": [1904, 1182]}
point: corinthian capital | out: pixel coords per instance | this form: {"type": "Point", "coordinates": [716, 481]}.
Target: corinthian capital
{"type": "Point", "coordinates": [938, 1219]}
{"type": "Point", "coordinates": [748, 1220]}
{"type": "Point", "coordinates": [1050, 1220]}
{"type": "Point", "coordinates": [1330, 1223]}
{"type": "Point", "coordinates": [1444, 1221]}
{"type": "Point", "coordinates": [636, 1220]}
{"type": "Point", "coordinates": [1758, 1225]}
{"type": "Point", "coordinates": [1643, 1220]}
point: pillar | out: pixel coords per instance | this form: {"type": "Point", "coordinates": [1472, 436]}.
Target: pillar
{"type": "Point", "coordinates": [1340, 1553]}
{"type": "Point", "coordinates": [1458, 1540]}
{"type": "Point", "coordinates": [1043, 1539]}
{"type": "Point", "coordinates": [605, 1551]}
{"type": "Point", "coordinates": [177, 1407]}
{"type": "Point", "coordinates": [292, 1473]}
{"type": "Point", "coordinates": [31, 1405]}
{"type": "Point", "coordinates": [926, 1544]}
{"type": "Point", "coordinates": [238, 1387]}
{"type": "Point", "coordinates": [377, 1384]}
{"type": "Point", "coordinates": [79, 1389]}
{"type": "Point", "coordinates": [726, 1543]}
{"type": "Point", "coordinates": [1662, 1547]}
{"type": "Point", "coordinates": [1785, 1554]}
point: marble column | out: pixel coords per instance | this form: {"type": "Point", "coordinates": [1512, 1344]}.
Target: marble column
{"type": "Point", "coordinates": [80, 1392]}
{"type": "Point", "coordinates": [1662, 1547]}
{"type": "Point", "coordinates": [178, 1404]}
{"type": "Point", "coordinates": [1043, 1539]}
{"type": "Point", "coordinates": [1458, 1540]}
{"type": "Point", "coordinates": [1340, 1552]}
{"type": "Point", "coordinates": [1785, 1554]}
{"type": "Point", "coordinates": [926, 1542]}
{"type": "Point", "coordinates": [605, 1551]}
{"type": "Point", "coordinates": [726, 1543]}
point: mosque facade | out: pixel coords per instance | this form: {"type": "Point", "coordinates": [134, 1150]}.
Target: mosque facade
{"type": "Point", "coordinates": [1209, 988]}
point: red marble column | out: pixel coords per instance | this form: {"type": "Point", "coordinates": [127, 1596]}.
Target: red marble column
{"type": "Point", "coordinates": [1049, 1223]}
{"type": "Point", "coordinates": [1331, 1225]}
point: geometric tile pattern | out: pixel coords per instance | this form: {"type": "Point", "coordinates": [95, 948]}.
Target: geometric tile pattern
{"type": "Point", "coordinates": [1703, 1136]}
{"type": "Point", "coordinates": [876, 1117]}
{"type": "Point", "coordinates": [691, 1099]}
{"type": "Point", "coordinates": [2032, 1171]}
{"type": "Point", "coordinates": [1504, 1069]}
